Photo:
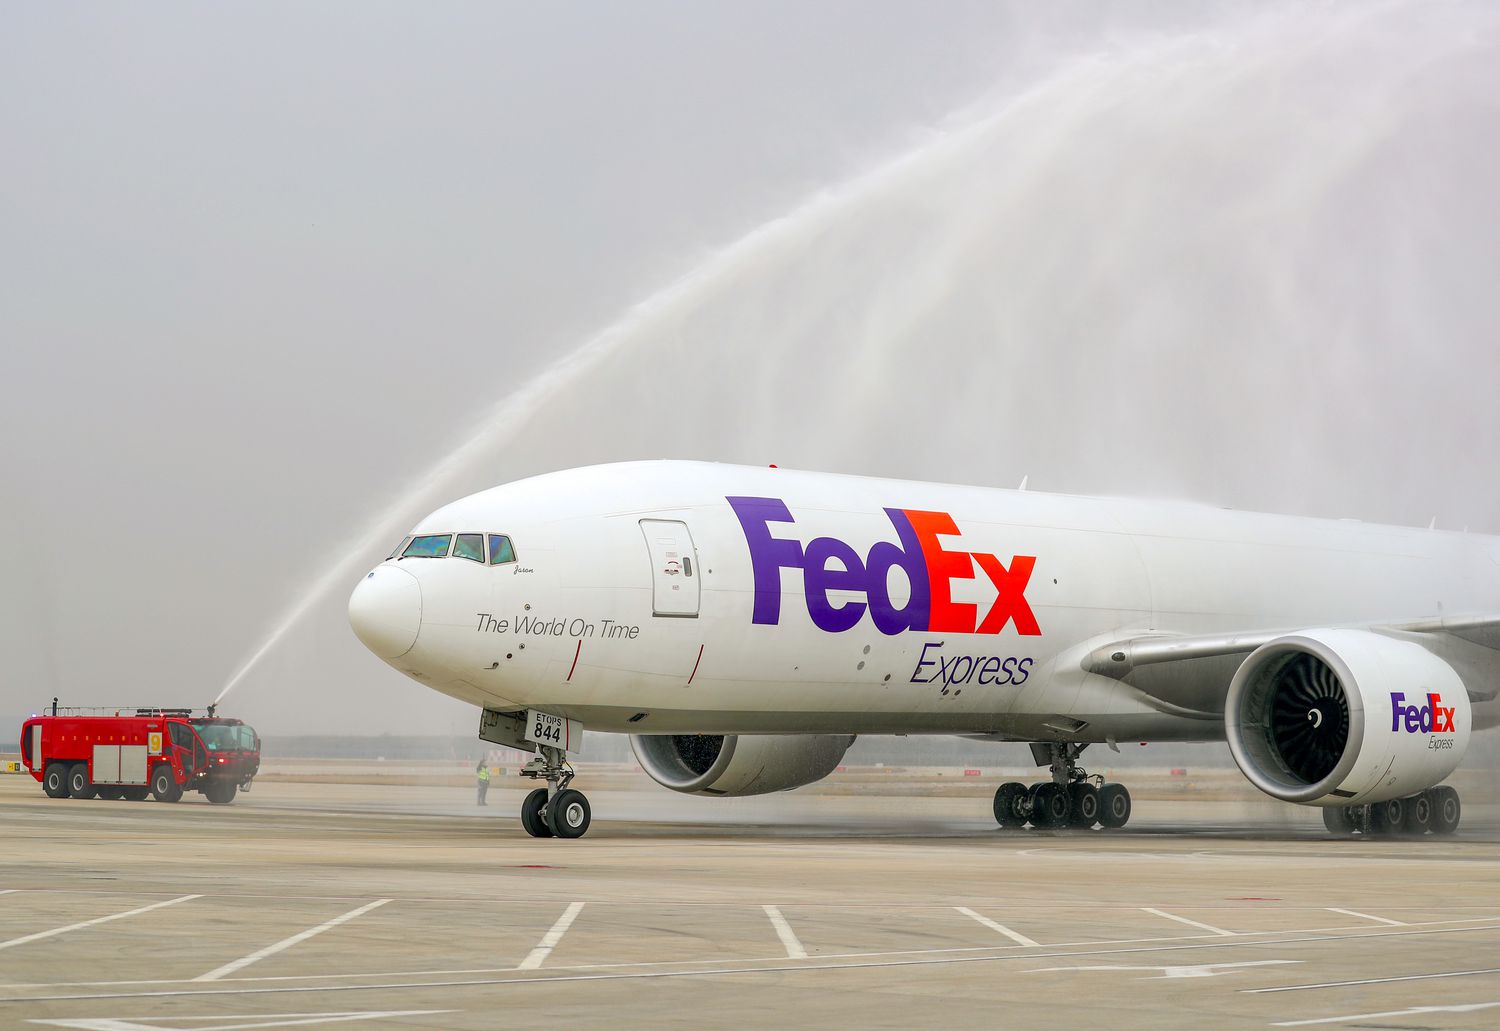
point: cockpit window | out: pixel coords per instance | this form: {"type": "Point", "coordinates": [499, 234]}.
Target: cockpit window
{"type": "Point", "coordinates": [470, 546]}
{"type": "Point", "coordinates": [501, 550]}
{"type": "Point", "coordinates": [433, 545]}
{"type": "Point", "coordinates": [399, 548]}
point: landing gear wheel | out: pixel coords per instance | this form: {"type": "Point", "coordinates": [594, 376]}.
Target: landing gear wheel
{"type": "Point", "coordinates": [55, 780]}
{"type": "Point", "coordinates": [531, 814]}
{"type": "Point", "coordinates": [221, 794]}
{"type": "Point", "coordinates": [79, 785]}
{"type": "Point", "coordinates": [568, 814]}
{"type": "Point", "coordinates": [164, 786]}
{"type": "Point", "coordinates": [1446, 810]}
{"type": "Point", "coordinates": [1049, 805]}
{"type": "Point", "coordinates": [1114, 806]}
{"type": "Point", "coordinates": [1388, 816]}
{"type": "Point", "coordinates": [1083, 805]}
{"type": "Point", "coordinates": [1339, 819]}
{"type": "Point", "coordinates": [135, 794]}
{"type": "Point", "coordinates": [1010, 805]}
{"type": "Point", "coordinates": [1418, 818]}
{"type": "Point", "coordinates": [111, 793]}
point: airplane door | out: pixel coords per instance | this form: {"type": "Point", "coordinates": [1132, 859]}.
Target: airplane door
{"type": "Point", "coordinates": [674, 567]}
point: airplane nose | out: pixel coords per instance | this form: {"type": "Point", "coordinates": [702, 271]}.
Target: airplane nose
{"type": "Point", "coordinates": [385, 611]}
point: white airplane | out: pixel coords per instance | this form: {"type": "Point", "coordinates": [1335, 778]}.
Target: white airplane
{"type": "Point", "coordinates": [744, 624]}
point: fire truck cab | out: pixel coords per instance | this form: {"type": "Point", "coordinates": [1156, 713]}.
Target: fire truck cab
{"type": "Point", "coordinates": [130, 753]}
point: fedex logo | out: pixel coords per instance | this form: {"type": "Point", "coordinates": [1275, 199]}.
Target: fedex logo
{"type": "Point", "coordinates": [1431, 718]}
{"type": "Point", "coordinates": [828, 564]}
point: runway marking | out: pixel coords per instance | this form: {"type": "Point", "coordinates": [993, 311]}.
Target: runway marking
{"type": "Point", "coordinates": [98, 920]}
{"type": "Point", "coordinates": [256, 1020]}
{"type": "Point", "coordinates": [1190, 923]}
{"type": "Point", "coordinates": [286, 943]}
{"type": "Point", "coordinates": [1200, 970]}
{"type": "Point", "coordinates": [1369, 980]}
{"type": "Point", "coordinates": [1469, 1007]}
{"type": "Point", "coordinates": [1366, 916]}
{"type": "Point", "coordinates": [794, 949]}
{"type": "Point", "coordinates": [549, 940]}
{"type": "Point", "coordinates": [820, 964]}
{"type": "Point", "coordinates": [1019, 939]}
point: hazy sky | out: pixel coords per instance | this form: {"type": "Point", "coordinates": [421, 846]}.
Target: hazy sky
{"type": "Point", "coordinates": [262, 266]}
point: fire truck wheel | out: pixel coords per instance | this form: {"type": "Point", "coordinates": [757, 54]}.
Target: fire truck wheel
{"type": "Point", "coordinates": [531, 814]}
{"type": "Point", "coordinates": [220, 794]}
{"type": "Point", "coordinates": [79, 785]}
{"type": "Point", "coordinates": [164, 786]}
{"type": "Point", "coordinates": [136, 794]}
{"type": "Point", "coordinates": [55, 780]}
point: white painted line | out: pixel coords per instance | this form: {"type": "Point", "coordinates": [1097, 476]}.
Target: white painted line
{"type": "Point", "coordinates": [255, 1020]}
{"type": "Point", "coordinates": [1470, 1007]}
{"type": "Point", "coordinates": [1190, 923]}
{"type": "Point", "coordinates": [9, 891]}
{"type": "Point", "coordinates": [1019, 939]}
{"type": "Point", "coordinates": [794, 949]}
{"type": "Point", "coordinates": [1369, 980]}
{"type": "Point", "coordinates": [748, 967]}
{"type": "Point", "coordinates": [549, 940]}
{"type": "Point", "coordinates": [286, 943]}
{"type": "Point", "coordinates": [99, 920]}
{"type": "Point", "coordinates": [1367, 916]}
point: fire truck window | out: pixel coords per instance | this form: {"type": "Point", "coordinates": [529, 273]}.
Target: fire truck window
{"type": "Point", "coordinates": [470, 546]}
{"type": "Point", "coordinates": [180, 735]}
{"type": "Point", "coordinates": [218, 737]}
{"type": "Point", "coordinates": [433, 545]}
{"type": "Point", "coordinates": [501, 550]}
{"type": "Point", "coordinates": [399, 548]}
{"type": "Point", "coordinates": [247, 739]}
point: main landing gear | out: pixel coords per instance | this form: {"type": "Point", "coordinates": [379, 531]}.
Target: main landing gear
{"type": "Point", "coordinates": [555, 811]}
{"type": "Point", "coordinates": [1072, 798]}
{"type": "Point", "coordinates": [1436, 809]}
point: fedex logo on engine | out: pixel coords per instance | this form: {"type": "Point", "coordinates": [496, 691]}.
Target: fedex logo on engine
{"type": "Point", "coordinates": [829, 564]}
{"type": "Point", "coordinates": [1431, 718]}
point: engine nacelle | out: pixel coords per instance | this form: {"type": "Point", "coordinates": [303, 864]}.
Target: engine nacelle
{"type": "Point", "coordinates": [1344, 717]}
{"type": "Point", "coordinates": [728, 764]}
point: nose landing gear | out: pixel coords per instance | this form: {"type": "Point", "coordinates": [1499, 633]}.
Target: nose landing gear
{"type": "Point", "coordinates": [555, 811]}
{"type": "Point", "coordinates": [1072, 798]}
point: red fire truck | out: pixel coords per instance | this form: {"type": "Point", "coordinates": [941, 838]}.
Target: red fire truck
{"type": "Point", "coordinates": [129, 753]}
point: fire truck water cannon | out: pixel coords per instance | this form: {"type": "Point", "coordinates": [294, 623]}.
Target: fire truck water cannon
{"type": "Point", "coordinates": [130, 752]}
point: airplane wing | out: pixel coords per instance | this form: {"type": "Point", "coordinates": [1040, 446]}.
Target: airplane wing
{"type": "Point", "coordinates": [1119, 659]}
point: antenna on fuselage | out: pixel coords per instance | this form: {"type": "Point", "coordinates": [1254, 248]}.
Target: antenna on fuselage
{"type": "Point", "coordinates": [1023, 481]}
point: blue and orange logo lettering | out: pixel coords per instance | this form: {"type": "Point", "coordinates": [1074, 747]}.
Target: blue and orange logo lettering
{"type": "Point", "coordinates": [829, 564]}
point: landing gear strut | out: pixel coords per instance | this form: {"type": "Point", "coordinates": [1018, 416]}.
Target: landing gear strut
{"type": "Point", "coordinates": [1072, 798]}
{"type": "Point", "coordinates": [1436, 809]}
{"type": "Point", "coordinates": [555, 811]}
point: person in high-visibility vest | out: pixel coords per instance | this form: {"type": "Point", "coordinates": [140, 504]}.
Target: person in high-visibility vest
{"type": "Point", "coordinates": [482, 772]}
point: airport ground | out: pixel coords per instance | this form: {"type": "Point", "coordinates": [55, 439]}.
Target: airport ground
{"type": "Point", "coordinates": [355, 894]}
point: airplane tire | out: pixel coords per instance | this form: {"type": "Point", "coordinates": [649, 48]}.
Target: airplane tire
{"type": "Point", "coordinates": [164, 786]}
{"type": "Point", "coordinates": [1083, 805]}
{"type": "Point", "coordinates": [1339, 820]}
{"type": "Point", "coordinates": [1418, 818]}
{"type": "Point", "coordinates": [220, 794]}
{"type": "Point", "coordinates": [55, 780]}
{"type": "Point", "coordinates": [568, 814]}
{"type": "Point", "coordinates": [111, 793]}
{"type": "Point", "coordinates": [1114, 806]}
{"type": "Point", "coordinates": [79, 785]}
{"type": "Point", "coordinates": [1049, 805]}
{"type": "Point", "coordinates": [531, 814]}
{"type": "Point", "coordinates": [1446, 810]}
{"type": "Point", "coordinates": [1010, 804]}
{"type": "Point", "coordinates": [1387, 817]}
{"type": "Point", "coordinates": [135, 794]}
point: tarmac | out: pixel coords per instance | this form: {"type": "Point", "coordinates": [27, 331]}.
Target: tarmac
{"type": "Point", "coordinates": [390, 905]}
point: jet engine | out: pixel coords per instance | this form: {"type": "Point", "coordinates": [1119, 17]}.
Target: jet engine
{"type": "Point", "coordinates": [728, 764]}
{"type": "Point", "coordinates": [1346, 717]}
